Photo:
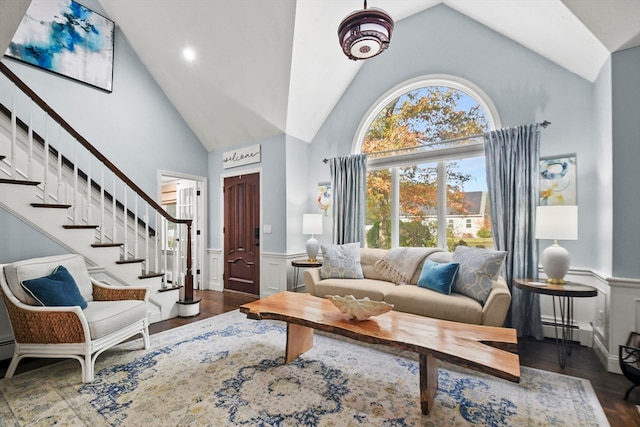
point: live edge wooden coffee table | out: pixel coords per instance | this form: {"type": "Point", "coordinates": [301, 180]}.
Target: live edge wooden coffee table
{"type": "Point", "coordinates": [485, 349]}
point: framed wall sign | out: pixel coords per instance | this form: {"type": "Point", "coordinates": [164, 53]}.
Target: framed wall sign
{"type": "Point", "coordinates": [66, 38]}
{"type": "Point", "coordinates": [558, 180]}
{"type": "Point", "coordinates": [241, 157]}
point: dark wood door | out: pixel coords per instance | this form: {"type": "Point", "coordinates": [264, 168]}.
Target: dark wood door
{"type": "Point", "coordinates": [242, 233]}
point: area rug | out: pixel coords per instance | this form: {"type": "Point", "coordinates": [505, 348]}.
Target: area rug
{"type": "Point", "coordinates": [228, 370]}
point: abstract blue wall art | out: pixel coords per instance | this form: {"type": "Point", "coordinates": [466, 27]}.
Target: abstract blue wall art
{"type": "Point", "coordinates": [66, 38]}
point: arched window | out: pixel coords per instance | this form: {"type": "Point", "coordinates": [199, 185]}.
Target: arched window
{"type": "Point", "coordinates": [427, 184]}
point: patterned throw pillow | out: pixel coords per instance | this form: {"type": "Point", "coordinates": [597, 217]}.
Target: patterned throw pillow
{"type": "Point", "coordinates": [438, 276]}
{"type": "Point", "coordinates": [341, 261]}
{"type": "Point", "coordinates": [478, 269]}
{"type": "Point", "coordinates": [58, 289]}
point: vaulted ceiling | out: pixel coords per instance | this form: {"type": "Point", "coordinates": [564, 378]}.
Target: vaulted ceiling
{"type": "Point", "coordinates": [267, 67]}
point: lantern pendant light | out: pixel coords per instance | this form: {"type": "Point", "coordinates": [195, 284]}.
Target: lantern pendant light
{"type": "Point", "coordinates": [365, 33]}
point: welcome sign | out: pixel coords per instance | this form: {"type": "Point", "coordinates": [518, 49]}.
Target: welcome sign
{"type": "Point", "coordinates": [241, 157]}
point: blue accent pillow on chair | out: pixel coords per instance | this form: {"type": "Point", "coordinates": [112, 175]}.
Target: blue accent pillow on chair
{"type": "Point", "coordinates": [438, 276]}
{"type": "Point", "coordinates": [58, 289]}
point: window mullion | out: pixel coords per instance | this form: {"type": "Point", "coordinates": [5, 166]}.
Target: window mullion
{"type": "Point", "coordinates": [442, 204]}
{"type": "Point", "coordinates": [395, 207]}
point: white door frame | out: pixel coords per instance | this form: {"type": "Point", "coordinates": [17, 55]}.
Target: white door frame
{"type": "Point", "coordinates": [202, 181]}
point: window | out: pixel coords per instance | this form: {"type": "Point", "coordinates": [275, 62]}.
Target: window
{"type": "Point", "coordinates": [427, 184]}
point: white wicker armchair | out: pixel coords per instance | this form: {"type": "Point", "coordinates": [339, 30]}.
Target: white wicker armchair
{"type": "Point", "coordinates": [113, 314]}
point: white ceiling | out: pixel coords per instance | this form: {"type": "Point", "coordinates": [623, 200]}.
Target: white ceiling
{"type": "Point", "coordinates": [267, 67]}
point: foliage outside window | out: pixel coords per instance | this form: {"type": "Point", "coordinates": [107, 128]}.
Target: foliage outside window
{"type": "Point", "coordinates": [416, 181]}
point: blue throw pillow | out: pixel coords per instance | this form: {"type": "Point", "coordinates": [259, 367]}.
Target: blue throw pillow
{"type": "Point", "coordinates": [58, 289]}
{"type": "Point", "coordinates": [438, 276]}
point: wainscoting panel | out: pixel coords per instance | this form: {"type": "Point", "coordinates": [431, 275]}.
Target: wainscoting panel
{"type": "Point", "coordinates": [273, 278]}
{"type": "Point", "coordinates": [622, 317]}
{"type": "Point", "coordinates": [214, 271]}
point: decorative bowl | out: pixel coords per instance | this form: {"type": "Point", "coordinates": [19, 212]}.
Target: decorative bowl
{"type": "Point", "coordinates": [359, 309]}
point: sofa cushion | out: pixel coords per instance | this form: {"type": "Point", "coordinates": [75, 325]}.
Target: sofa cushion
{"type": "Point", "coordinates": [478, 269]}
{"type": "Point", "coordinates": [437, 276]}
{"type": "Point", "coordinates": [374, 289]}
{"type": "Point", "coordinates": [341, 261]}
{"type": "Point", "coordinates": [105, 317]}
{"type": "Point", "coordinates": [368, 258]}
{"type": "Point", "coordinates": [425, 302]}
{"type": "Point", "coordinates": [58, 289]}
{"type": "Point", "coordinates": [19, 271]}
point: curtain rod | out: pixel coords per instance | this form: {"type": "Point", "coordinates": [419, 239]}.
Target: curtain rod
{"type": "Point", "coordinates": [544, 124]}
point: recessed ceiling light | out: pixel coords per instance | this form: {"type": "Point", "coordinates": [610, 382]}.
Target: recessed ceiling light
{"type": "Point", "coordinates": [189, 54]}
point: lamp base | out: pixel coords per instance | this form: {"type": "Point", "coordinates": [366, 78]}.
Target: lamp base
{"type": "Point", "coordinates": [312, 249]}
{"type": "Point", "coordinates": [555, 263]}
{"type": "Point", "coordinates": [556, 281]}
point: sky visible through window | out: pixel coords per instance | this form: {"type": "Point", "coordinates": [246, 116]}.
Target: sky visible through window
{"type": "Point", "coordinates": [473, 166]}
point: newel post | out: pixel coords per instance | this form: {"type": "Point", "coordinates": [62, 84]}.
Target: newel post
{"type": "Point", "coordinates": [189, 306]}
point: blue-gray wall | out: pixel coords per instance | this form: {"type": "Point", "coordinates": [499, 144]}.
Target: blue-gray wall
{"type": "Point", "coordinates": [524, 86]}
{"type": "Point", "coordinates": [22, 238]}
{"type": "Point", "coordinates": [626, 159]}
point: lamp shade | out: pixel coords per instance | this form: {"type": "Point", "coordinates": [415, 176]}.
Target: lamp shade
{"type": "Point", "coordinates": [557, 222]}
{"type": "Point", "coordinates": [312, 224]}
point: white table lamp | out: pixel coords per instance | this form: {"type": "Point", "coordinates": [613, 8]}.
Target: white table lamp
{"type": "Point", "coordinates": [312, 224]}
{"type": "Point", "coordinates": [557, 222]}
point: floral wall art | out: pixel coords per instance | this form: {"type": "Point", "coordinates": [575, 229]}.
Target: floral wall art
{"type": "Point", "coordinates": [324, 196]}
{"type": "Point", "coordinates": [558, 180]}
{"type": "Point", "coordinates": [66, 38]}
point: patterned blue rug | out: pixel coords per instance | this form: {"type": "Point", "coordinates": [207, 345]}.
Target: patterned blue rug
{"type": "Point", "coordinates": [228, 370]}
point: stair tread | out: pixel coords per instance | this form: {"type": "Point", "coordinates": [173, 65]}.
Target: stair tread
{"type": "Point", "coordinates": [106, 245]}
{"type": "Point", "coordinates": [51, 205]}
{"type": "Point", "coordinates": [130, 261]}
{"type": "Point", "coordinates": [150, 275]}
{"type": "Point", "coordinates": [79, 226]}
{"type": "Point", "coordinates": [3, 157]}
{"type": "Point", "coordinates": [18, 182]}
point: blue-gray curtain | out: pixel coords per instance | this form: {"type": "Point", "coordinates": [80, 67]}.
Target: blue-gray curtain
{"type": "Point", "coordinates": [512, 158]}
{"type": "Point", "coordinates": [349, 184]}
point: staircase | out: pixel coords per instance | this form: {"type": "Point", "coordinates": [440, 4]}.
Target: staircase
{"type": "Point", "coordinates": [53, 179]}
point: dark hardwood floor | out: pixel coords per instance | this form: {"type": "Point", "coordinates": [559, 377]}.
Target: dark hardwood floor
{"type": "Point", "coordinates": [610, 388]}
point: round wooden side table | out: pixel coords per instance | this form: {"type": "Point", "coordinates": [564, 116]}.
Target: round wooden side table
{"type": "Point", "coordinates": [564, 294]}
{"type": "Point", "coordinates": [302, 263]}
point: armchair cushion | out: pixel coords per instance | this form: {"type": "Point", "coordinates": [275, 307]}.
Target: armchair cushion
{"type": "Point", "coordinates": [58, 289]}
{"type": "Point", "coordinates": [20, 271]}
{"type": "Point", "coordinates": [106, 317]}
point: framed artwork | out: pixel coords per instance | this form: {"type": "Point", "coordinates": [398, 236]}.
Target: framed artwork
{"type": "Point", "coordinates": [66, 38]}
{"type": "Point", "coordinates": [558, 180]}
{"type": "Point", "coordinates": [324, 196]}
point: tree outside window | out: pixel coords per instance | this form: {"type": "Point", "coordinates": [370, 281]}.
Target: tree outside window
{"type": "Point", "coordinates": [407, 134]}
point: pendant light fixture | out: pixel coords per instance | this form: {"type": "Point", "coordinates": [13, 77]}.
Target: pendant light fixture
{"type": "Point", "coordinates": [365, 33]}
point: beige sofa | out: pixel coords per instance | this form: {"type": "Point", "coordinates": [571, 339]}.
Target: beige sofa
{"type": "Point", "coordinates": [412, 298]}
